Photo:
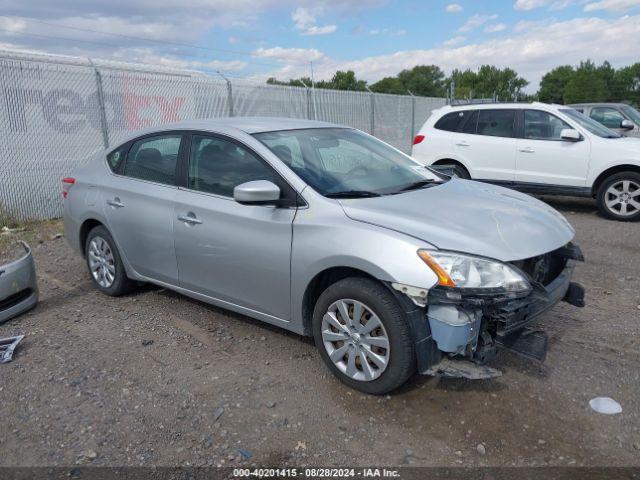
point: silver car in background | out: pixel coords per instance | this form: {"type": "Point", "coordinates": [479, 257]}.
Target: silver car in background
{"type": "Point", "coordinates": [328, 232]}
{"type": "Point", "coordinates": [619, 117]}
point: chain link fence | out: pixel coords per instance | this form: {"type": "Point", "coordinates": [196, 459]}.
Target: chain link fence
{"type": "Point", "coordinates": [56, 111]}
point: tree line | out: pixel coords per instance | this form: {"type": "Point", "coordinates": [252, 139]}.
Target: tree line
{"type": "Point", "coordinates": [565, 84]}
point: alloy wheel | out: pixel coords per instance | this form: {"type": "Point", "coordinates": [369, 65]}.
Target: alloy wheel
{"type": "Point", "coordinates": [623, 198]}
{"type": "Point", "coordinates": [101, 262]}
{"type": "Point", "coordinates": [355, 340]}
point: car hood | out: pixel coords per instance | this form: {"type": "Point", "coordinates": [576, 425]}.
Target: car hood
{"type": "Point", "coordinates": [468, 216]}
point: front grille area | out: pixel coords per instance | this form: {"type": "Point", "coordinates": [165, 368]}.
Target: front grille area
{"type": "Point", "coordinates": [15, 299]}
{"type": "Point", "coordinates": [545, 268]}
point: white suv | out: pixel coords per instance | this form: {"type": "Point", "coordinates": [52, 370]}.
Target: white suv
{"type": "Point", "coordinates": [537, 148]}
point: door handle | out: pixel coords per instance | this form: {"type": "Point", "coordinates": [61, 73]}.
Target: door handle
{"type": "Point", "coordinates": [463, 144]}
{"type": "Point", "coordinates": [527, 150]}
{"type": "Point", "coordinates": [189, 218]}
{"type": "Point", "coordinates": [116, 203]}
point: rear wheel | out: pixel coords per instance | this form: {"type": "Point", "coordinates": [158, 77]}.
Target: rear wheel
{"type": "Point", "coordinates": [619, 196]}
{"type": "Point", "coordinates": [105, 264]}
{"type": "Point", "coordinates": [363, 336]}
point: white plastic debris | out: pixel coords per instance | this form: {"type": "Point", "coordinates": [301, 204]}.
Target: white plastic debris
{"type": "Point", "coordinates": [605, 405]}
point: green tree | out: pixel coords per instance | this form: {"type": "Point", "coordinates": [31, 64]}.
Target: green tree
{"type": "Point", "coordinates": [424, 80]}
{"type": "Point", "coordinates": [553, 84]}
{"type": "Point", "coordinates": [487, 82]}
{"type": "Point", "coordinates": [389, 85]}
{"type": "Point", "coordinates": [587, 85]}
{"type": "Point", "coordinates": [346, 81]}
{"type": "Point", "coordinates": [627, 84]}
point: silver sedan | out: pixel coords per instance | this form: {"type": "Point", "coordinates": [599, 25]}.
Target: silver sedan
{"type": "Point", "coordinates": [326, 231]}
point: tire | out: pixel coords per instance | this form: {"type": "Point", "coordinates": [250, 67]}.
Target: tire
{"type": "Point", "coordinates": [110, 278]}
{"type": "Point", "coordinates": [458, 170]}
{"type": "Point", "coordinates": [619, 197]}
{"type": "Point", "coordinates": [376, 302]}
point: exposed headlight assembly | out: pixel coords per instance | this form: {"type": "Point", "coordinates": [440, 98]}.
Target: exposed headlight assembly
{"type": "Point", "coordinates": [457, 270]}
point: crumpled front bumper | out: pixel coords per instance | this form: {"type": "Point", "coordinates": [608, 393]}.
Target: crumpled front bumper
{"type": "Point", "coordinates": [18, 286]}
{"type": "Point", "coordinates": [496, 320]}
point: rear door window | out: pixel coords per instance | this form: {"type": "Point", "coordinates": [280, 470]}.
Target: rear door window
{"type": "Point", "coordinates": [115, 158]}
{"type": "Point", "coordinates": [496, 123]}
{"type": "Point", "coordinates": [154, 159]}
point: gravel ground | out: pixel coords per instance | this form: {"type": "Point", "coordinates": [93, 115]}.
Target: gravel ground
{"type": "Point", "coordinates": [157, 379]}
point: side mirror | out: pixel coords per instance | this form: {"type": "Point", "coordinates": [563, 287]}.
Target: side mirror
{"type": "Point", "coordinates": [258, 192]}
{"type": "Point", "coordinates": [570, 135]}
{"type": "Point", "coordinates": [627, 124]}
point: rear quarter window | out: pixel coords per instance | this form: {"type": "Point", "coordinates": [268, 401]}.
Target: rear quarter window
{"type": "Point", "coordinates": [451, 121]}
{"type": "Point", "coordinates": [114, 159]}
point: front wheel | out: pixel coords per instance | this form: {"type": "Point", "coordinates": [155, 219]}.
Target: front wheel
{"type": "Point", "coordinates": [619, 196]}
{"type": "Point", "coordinates": [363, 336]}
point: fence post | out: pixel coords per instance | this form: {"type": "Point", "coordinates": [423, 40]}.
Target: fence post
{"type": "Point", "coordinates": [229, 93]}
{"type": "Point", "coordinates": [101, 106]}
{"type": "Point", "coordinates": [413, 118]}
{"type": "Point", "coordinates": [308, 92]}
{"type": "Point", "coordinates": [373, 110]}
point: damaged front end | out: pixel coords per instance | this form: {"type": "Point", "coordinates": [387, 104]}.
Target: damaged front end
{"type": "Point", "coordinates": [465, 327]}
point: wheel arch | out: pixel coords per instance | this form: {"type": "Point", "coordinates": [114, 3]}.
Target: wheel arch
{"type": "Point", "coordinates": [319, 283]}
{"type": "Point", "coordinates": [88, 225]}
{"type": "Point", "coordinates": [449, 161]}
{"type": "Point", "coordinates": [612, 171]}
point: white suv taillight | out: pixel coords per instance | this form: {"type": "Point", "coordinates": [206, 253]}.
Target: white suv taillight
{"type": "Point", "coordinates": [418, 139]}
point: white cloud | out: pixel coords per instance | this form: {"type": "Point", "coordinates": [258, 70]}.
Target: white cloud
{"type": "Point", "coordinates": [324, 30]}
{"type": "Point", "coordinates": [303, 18]}
{"type": "Point", "coordinates": [452, 42]}
{"type": "Point", "coordinates": [612, 5]}
{"type": "Point", "coordinates": [454, 8]}
{"type": "Point", "coordinates": [476, 21]}
{"type": "Point", "coordinates": [496, 27]}
{"type": "Point", "coordinates": [526, 5]}
{"type": "Point", "coordinates": [527, 52]}
{"type": "Point", "coordinates": [530, 4]}
{"type": "Point", "coordinates": [388, 31]}
{"type": "Point", "coordinates": [293, 55]}
{"type": "Point", "coordinates": [560, 4]}
{"type": "Point", "coordinates": [305, 21]}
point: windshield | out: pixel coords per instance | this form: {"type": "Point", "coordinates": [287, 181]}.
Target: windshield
{"type": "Point", "coordinates": [589, 124]}
{"type": "Point", "coordinates": [341, 162]}
{"type": "Point", "coordinates": [632, 113]}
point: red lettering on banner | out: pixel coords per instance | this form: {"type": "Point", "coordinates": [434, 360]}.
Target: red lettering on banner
{"type": "Point", "coordinates": [170, 108]}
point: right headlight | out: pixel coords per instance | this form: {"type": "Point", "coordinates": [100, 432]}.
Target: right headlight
{"type": "Point", "coordinates": [466, 271]}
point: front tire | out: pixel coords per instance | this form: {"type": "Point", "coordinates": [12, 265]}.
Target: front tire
{"type": "Point", "coordinates": [619, 197]}
{"type": "Point", "coordinates": [363, 336]}
{"type": "Point", "coordinates": [105, 264]}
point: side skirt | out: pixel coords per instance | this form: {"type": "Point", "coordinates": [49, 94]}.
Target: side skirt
{"type": "Point", "coordinates": [542, 188]}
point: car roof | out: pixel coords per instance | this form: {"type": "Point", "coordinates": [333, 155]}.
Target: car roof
{"type": "Point", "coordinates": [494, 105]}
{"type": "Point", "coordinates": [597, 104]}
{"type": "Point", "coordinates": [231, 125]}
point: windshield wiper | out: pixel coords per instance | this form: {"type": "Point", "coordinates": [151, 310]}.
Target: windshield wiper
{"type": "Point", "coordinates": [420, 184]}
{"type": "Point", "coordinates": [352, 194]}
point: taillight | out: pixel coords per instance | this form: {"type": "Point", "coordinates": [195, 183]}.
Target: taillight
{"type": "Point", "coordinates": [66, 185]}
{"type": "Point", "coordinates": [418, 139]}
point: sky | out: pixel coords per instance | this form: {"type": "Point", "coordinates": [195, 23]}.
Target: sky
{"type": "Point", "coordinates": [258, 39]}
